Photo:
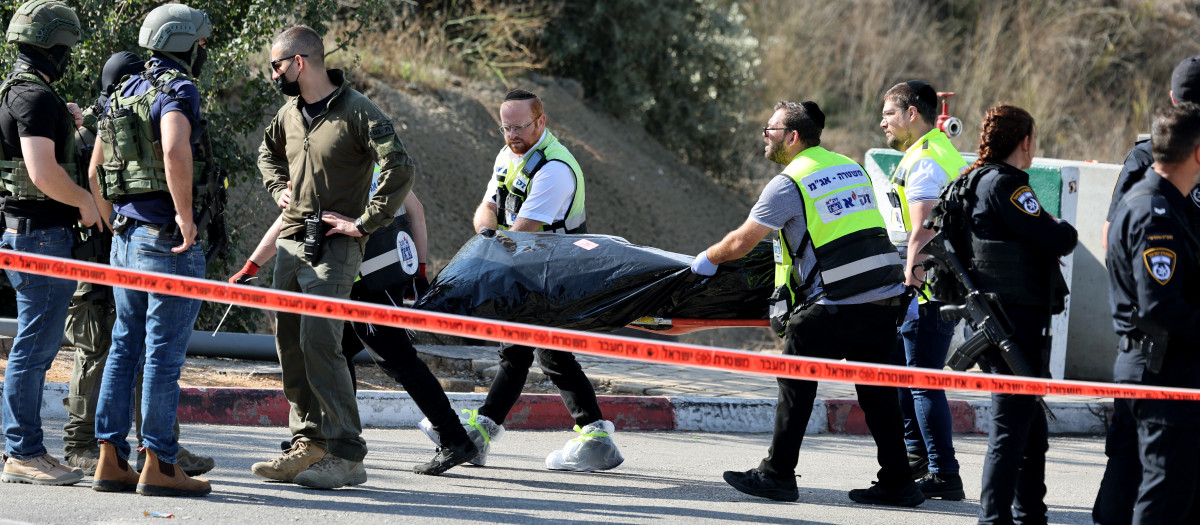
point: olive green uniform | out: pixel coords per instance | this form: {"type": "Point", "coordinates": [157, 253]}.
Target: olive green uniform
{"type": "Point", "coordinates": [329, 163]}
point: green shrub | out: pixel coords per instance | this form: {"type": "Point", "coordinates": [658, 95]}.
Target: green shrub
{"type": "Point", "coordinates": [683, 69]}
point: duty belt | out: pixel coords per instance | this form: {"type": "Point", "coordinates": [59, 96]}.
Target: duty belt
{"type": "Point", "coordinates": [25, 226]}
{"type": "Point", "coordinates": [122, 223]}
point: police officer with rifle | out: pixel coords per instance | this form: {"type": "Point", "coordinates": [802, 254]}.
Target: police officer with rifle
{"type": "Point", "coordinates": [992, 218]}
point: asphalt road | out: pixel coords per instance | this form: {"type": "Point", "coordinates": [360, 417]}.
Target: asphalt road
{"type": "Point", "coordinates": [668, 477]}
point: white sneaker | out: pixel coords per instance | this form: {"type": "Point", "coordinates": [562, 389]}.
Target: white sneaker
{"type": "Point", "coordinates": [481, 429]}
{"type": "Point", "coordinates": [593, 450]}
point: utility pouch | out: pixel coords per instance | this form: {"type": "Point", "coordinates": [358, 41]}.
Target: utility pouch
{"type": "Point", "coordinates": [122, 127]}
{"type": "Point", "coordinates": [894, 198]}
{"type": "Point", "coordinates": [314, 236]}
{"type": "Point", "coordinates": [780, 309]}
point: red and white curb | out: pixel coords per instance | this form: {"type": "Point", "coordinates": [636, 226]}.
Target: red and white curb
{"type": "Point", "coordinates": [392, 409]}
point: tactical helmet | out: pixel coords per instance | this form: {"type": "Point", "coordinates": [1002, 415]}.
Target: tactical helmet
{"type": "Point", "coordinates": [44, 24]}
{"type": "Point", "coordinates": [173, 28]}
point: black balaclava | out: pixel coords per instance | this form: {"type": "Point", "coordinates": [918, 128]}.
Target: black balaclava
{"type": "Point", "coordinates": [53, 62]}
{"type": "Point", "coordinates": [117, 66]}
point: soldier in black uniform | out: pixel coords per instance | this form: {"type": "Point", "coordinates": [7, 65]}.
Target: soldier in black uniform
{"type": "Point", "coordinates": [1118, 488]}
{"type": "Point", "coordinates": [1152, 267]}
{"type": "Point", "coordinates": [1013, 245]}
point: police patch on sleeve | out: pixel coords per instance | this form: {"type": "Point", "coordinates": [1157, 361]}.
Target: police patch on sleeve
{"type": "Point", "coordinates": [1026, 201]}
{"type": "Point", "coordinates": [1195, 194]}
{"type": "Point", "coordinates": [1160, 262]}
{"type": "Point", "coordinates": [381, 130]}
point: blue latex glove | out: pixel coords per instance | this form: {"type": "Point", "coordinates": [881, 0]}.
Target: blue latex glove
{"type": "Point", "coordinates": [702, 266]}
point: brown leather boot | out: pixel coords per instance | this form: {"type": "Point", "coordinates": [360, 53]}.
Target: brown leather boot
{"type": "Point", "coordinates": [165, 479]}
{"type": "Point", "coordinates": [113, 473]}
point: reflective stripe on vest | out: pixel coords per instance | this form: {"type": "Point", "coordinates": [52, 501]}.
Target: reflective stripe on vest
{"type": "Point", "coordinates": [515, 183]}
{"type": "Point", "coordinates": [933, 145]}
{"type": "Point", "coordinates": [14, 174]}
{"type": "Point", "coordinates": [844, 227]}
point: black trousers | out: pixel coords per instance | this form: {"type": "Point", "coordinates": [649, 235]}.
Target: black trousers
{"type": "Point", "coordinates": [562, 369]}
{"type": "Point", "coordinates": [393, 351]}
{"type": "Point", "coordinates": [856, 332]}
{"type": "Point", "coordinates": [1014, 469]}
{"type": "Point", "coordinates": [1123, 473]}
{"type": "Point", "coordinates": [1170, 457]}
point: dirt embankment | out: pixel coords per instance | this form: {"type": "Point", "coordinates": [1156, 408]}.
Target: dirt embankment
{"type": "Point", "coordinates": [635, 188]}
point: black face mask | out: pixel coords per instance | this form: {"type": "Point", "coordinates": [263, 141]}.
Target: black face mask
{"type": "Point", "coordinates": [292, 88]}
{"type": "Point", "coordinates": [53, 62]}
{"type": "Point", "coordinates": [198, 62]}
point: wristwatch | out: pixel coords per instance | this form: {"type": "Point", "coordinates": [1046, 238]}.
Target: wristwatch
{"type": "Point", "coordinates": [358, 224]}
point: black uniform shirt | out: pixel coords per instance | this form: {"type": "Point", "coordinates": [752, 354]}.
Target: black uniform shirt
{"type": "Point", "coordinates": [30, 110]}
{"type": "Point", "coordinates": [1008, 210]}
{"type": "Point", "coordinates": [1137, 164]}
{"type": "Point", "coordinates": [1152, 264]}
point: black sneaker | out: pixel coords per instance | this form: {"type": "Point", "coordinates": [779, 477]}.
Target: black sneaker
{"type": "Point", "coordinates": [908, 495]}
{"type": "Point", "coordinates": [919, 465]}
{"type": "Point", "coordinates": [755, 483]}
{"type": "Point", "coordinates": [944, 486]}
{"type": "Point", "coordinates": [446, 458]}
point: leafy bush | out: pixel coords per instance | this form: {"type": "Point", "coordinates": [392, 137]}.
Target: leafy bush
{"type": "Point", "coordinates": [683, 69]}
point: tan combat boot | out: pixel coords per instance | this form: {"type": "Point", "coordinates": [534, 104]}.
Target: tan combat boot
{"type": "Point", "coordinates": [42, 470]}
{"type": "Point", "coordinates": [112, 472]}
{"type": "Point", "coordinates": [165, 479]}
{"type": "Point", "coordinates": [284, 468]}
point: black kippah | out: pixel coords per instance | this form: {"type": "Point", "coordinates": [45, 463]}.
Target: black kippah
{"type": "Point", "coordinates": [519, 94]}
{"type": "Point", "coordinates": [814, 113]}
{"type": "Point", "coordinates": [924, 92]}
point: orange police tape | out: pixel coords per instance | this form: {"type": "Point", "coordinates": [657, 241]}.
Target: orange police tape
{"type": "Point", "coordinates": [575, 341]}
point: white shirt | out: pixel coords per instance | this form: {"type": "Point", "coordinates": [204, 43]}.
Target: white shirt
{"type": "Point", "coordinates": [553, 187]}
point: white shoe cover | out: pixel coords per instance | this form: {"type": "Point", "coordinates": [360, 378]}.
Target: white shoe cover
{"type": "Point", "coordinates": [593, 450]}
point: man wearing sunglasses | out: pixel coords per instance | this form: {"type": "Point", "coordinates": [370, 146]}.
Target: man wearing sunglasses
{"type": "Point", "coordinates": [317, 159]}
{"type": "Point", "coordinates": [840, 292]}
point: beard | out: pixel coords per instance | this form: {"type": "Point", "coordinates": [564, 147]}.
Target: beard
{"type": "Point", "coordinates": [518, 146]}
{"type": "Point", "coordinates": [775, 153]}
{"type": "Point", "coordinates": [896, 143]}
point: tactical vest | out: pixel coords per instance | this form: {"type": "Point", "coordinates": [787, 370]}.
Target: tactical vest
{"type": "Point", "coordinates": [1017, 272]}
{"type": "Point", "coordinates": [14, 175]}
{"type": "Point", "coordinates": [514, 185]}
{"type": "Point", "coordinates": [844, 226]}
{"type": "Point", "coordinates": [133, 159]}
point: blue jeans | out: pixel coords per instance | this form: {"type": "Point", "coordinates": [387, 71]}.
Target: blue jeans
{"type": "Point", "coordinates": [41, 315]}
{"type": "Point", "coordinates": [928, 426]}
{"type": "Point", "coordinates": [151, 333]}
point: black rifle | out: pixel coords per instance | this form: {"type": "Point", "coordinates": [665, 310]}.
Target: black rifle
{"type": "Point", "coordinates": [211, 218]}
{"type": "Point", "coordinates": [984, 312]}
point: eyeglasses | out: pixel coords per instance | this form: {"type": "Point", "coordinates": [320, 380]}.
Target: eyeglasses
{"type": "Point", "coordinates": [765, 130]}
{"type": "Point", "coordinates": [889, 113]}
{"type": "Point", "coordinates": [275, 63]}
{"type": "Point", "coordinates": [517, 129]}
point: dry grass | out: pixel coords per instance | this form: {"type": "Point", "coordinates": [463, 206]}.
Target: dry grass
{"type": "Point", "coordinates": [433, 44]}
{"type": "Point", "coordinates": [1090, 71]}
